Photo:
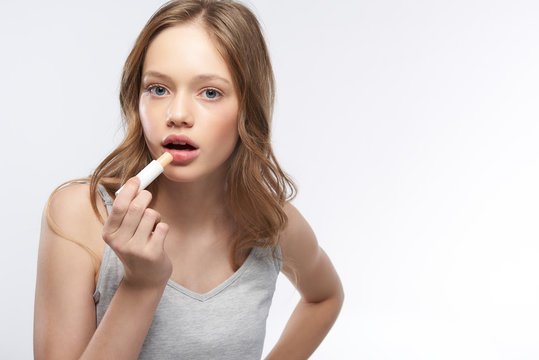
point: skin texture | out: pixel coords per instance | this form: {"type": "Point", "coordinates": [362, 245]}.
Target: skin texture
{"type": "Point", "coordinates": [181, 232]}
{"type": "Point", "coordinates": [204, 107]}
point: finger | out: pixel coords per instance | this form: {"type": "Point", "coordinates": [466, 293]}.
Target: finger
{"type": "Point", "coordinates": [157, 238]}
{"type": "Point", "coordinates": [146, 226]}
{"type": "Point", "coordinates": [133, 215]}
{"type": "Point", "coordinates": [121, 204]}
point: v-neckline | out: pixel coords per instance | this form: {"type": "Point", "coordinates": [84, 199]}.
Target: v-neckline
{"type": "Point", "coordinates": [216, 290]}
{"type": "Point", "coordinates": [171, 283]}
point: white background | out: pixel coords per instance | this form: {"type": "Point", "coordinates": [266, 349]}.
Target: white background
{"type": "Point", "coordinates": [411, 128]}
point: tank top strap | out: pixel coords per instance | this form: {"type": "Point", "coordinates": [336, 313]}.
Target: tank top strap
{"type": "Point", "coordinates": [105, 196]}
{"type": "Point", "coordinates": [107, 200]}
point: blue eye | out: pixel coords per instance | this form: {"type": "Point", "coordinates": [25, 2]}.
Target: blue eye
{"type": "Point", "coordinates": [211, 93]}
{"type": "Point", "coordinates": [158, 90]}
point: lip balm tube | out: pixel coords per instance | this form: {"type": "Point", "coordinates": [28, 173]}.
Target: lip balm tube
{"type": "Point", "coordinates": [151, 172]}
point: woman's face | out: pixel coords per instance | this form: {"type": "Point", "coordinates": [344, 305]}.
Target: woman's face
{"type": "Point", "coordinates": [188, 103]}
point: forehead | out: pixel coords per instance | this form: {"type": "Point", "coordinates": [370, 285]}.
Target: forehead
{"type": "Point", "coordinates": [185, 49]}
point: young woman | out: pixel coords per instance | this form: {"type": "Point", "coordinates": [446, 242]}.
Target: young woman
{"type": "Point", "coordinates": [187, 268]}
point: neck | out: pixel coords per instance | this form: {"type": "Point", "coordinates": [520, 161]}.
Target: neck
{"type": "Point", "coordinates": [192, 208]}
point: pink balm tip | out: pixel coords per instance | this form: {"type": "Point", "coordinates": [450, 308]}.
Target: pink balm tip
{"type": "Point", "coordinates": [165, 159]}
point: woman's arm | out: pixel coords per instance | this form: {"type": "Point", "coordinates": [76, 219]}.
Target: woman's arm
{"type": "Point", "coordinates": [65, 318]}
{"type": "Point", "coordinates": [64, 313]}
{"type": "Point", "coordinates": [310, 270]}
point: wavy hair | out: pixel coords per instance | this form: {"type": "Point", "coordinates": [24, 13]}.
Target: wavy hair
{"type": "Point", "coordinates": [257, 187]}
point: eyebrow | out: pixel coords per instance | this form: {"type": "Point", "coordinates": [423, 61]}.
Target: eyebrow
{"type": "Point", "coordinates": [155, 74]}
{"type": "Point", "coordinates": [202, 77]}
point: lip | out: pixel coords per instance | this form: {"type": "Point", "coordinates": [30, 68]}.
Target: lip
{"type": "Point", "coordinates": [181, 156]}
{"type": "Point", "coordinates": [179, 138]}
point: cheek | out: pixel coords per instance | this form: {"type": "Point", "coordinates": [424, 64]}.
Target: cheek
{"type": "Point", "coordinates": [147, 116]}
{"type": "Point", "coordinates": [143, 112]}
{"type": "Point", "coordinates": [228, 131]}
{"type": "Point", "coordinates": [221, 133]}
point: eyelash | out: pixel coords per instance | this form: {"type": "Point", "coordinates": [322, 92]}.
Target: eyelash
{"type": "Point", "coordinates": [150, 89]}
{"type": "Point", "coordinates": [219, 94]}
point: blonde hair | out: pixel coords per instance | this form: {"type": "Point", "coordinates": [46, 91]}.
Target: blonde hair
{"type": "Point", "coordinates": [257, 188]}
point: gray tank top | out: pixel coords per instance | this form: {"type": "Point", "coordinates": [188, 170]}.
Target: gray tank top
{"type": "Point", "coordinates": [229, 322]}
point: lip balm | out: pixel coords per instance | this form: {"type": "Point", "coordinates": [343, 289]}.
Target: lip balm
{"type": "Point", "coordinates": [151, 171]}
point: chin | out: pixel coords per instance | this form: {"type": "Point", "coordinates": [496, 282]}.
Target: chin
{"type": "Point", "coordinates": [187, 176]}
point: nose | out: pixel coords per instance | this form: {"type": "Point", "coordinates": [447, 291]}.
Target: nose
{"type": "Point", "coordinates": [179, 112]}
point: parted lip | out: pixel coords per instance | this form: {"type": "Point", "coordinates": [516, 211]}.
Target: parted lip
{"type": "Point", "coordinates": [179, 139]}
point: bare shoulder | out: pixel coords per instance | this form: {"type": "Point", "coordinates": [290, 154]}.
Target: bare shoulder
{"type": "Point", "coordinates": [70, 250]}
{"type": "Point", "coordinates": [296, 222]}
{"type": "Point", "coordinates": [304, 262]}
{"type": "Point", "coordinates": [69, 216]}
{"type": "Point", "coordinates": [71, 207]}
{"type": "Point", "coordinates": [297, 239]}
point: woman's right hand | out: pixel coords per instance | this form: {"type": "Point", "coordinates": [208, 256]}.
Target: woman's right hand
{"type": "Point", "coordinates": [137, 235]}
